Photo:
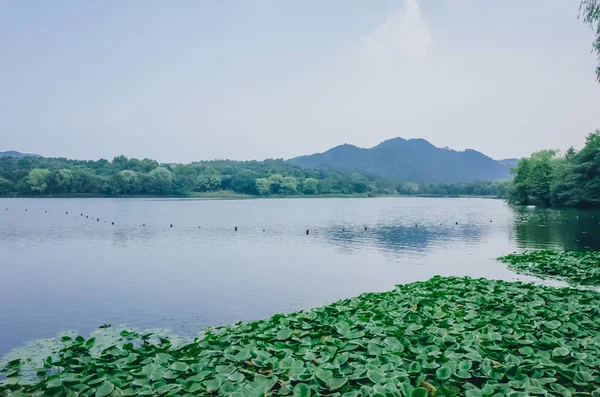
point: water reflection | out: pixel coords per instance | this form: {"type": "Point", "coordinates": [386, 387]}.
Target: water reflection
{"type": "Point", "coordinates": [568, 229]}
{"type": "Point", "coordinates": [405, 238]}
{"type": "Point", "coordinates": [65, 271]}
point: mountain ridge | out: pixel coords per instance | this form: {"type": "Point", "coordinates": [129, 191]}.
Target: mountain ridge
{"type": "Point", "coordinates": [415, 160]}
{"type": "Point", "coordinates": [14, 153]}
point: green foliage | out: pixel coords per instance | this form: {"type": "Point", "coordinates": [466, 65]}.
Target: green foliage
{"type": "Point", "coordinates": [38, 180]}
{"type": "Point", "coordinates": [275, 183]}
{"type": "Point", "coordinates": [385, 186]}
{"type": "Point", "coordinates": [586, 173]}
{"type": "Point", "coordinates": [590, 10]}
{"type": "Point", "coordinates": [243, 182]}
{"type": "Point", "coordinates": [582, 268]}
{"type": "Point", "coordinates": [128, 182]}
{"type": "Point", "coordinates": [496, 189]}
{"type": "Point", "coordinates": [409, 188]}
{"type": "Point", "coordinates": [61, 180]}
{"type": "Point", "coordinates": [208, 182]}
{"type": "Point", "coordinates": [519, 191]}
{"type": "Point", "coordinates": [444, 337]}
{"type": "Point", "coordinates": [534, 178]}
{"type": "Point", "coordinates": [289, 185]}
{"type": "Point", "coordinates": [540, 176]}
{"type": "Point", "coordinates": [124, 176]}
{"type": "Point", "coordinates": [162, 180]}
{"type": "Point", "coordinates": [310, 186]}
{"type": "Point", "coordinates": [572, 180]}
{"type": "Point", "coordinates": [263, 186]}
{"type": "Point", "coordinates": [6, 187]}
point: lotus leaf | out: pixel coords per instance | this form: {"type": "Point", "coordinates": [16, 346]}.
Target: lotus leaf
{"type": "Point", "coordinates": [453, 336]}
{"type": "Point", "coordinates": [575, 267]}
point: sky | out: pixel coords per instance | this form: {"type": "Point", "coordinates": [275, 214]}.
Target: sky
{"type": "Point", "coordinates": [187, 80]}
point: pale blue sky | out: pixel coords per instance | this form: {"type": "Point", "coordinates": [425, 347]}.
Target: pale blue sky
{"type": "Point", "coordinates": [250, 79]}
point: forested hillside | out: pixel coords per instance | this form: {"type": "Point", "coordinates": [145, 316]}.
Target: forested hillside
{"type": "Point", "coordinates": [33, 176]}
{"type": "Point", "coordinates": [414, 160]}
{"type": "Point", "coordinates": [13, 153]}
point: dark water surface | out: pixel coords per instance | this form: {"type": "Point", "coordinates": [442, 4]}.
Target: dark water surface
{"type": "Point", "coordinates": [67, 272]}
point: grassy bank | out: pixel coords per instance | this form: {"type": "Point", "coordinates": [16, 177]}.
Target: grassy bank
{"type": "Point", "coordinates": [443, 337]}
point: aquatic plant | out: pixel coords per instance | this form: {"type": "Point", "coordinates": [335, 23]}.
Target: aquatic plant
{"type": "Point", "coordinates": [575, 267]}
{"type": "Point", "coordinates": [443, 337]}
{"type": "Point", "coordinates": [33, 353]}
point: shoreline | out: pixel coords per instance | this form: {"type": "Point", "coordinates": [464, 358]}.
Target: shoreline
{"type": "Point", "coordinates": [239, 196]}
{"type": "Point", "coordinates": [451, 335]}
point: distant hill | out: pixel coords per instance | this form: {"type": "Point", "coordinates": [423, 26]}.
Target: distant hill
{"type": "Point", "coordinates": [12, 153]}
{"type": "Point", "coordinates": [414, 160]}
{"type": "Point", "coordinates": [510, 163]}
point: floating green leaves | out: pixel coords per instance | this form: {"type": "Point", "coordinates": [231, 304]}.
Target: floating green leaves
{"type": "Point", "coordinates": [179, 366]}
{"type": "Point", "coordinates": [301, 390]}
{"type": "Point", "coordinates": [105, 389]}
{"type": "Point", "coordinates": [443, 337]}
{"type": "Point", "coordinates": [575, 267]}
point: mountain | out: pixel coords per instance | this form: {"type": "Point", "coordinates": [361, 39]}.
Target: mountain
{"type": "Point", "coordinates": [414, 160]}
{"type": "Point", "coordinates": [510, 163]}
{"type": "Point", "coordinates": [12, 153]}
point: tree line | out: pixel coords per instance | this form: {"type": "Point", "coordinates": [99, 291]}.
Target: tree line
{"type": "Point", "coordinates": [550, 178]}
{"type": "Point", "coordinates": [39, 176]}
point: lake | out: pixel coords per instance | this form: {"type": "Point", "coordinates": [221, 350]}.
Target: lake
{"type": "Point", "coordinates": [64, 271]}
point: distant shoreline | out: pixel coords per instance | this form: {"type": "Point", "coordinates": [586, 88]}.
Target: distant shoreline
{"type": "Point", "coordinates": [240, 196]}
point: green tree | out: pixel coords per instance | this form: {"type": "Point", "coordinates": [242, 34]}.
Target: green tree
{"type": "Point", "coordinates": [243, 182]}
{"type": "Point", "coordinates": [128, 182]}
{"type": "Point", "coordinates": [147, 165]}
{"type": "Point", "coordinates": [163, 180]}
{"type": "Point", "coordinates": [409, 188]}
{"type": "Point", "coordinates": [111, 186]}
{"type": "Point", "coordinates": [540, 177]}
{"type": "Point", "coordinates": [275, 183]}
{"type": "Point", "coordinates": [325, 186]}
{"type": "Point", "coordinates": [84, 180]}
{"type": "Point", "coordinates": [342, 186]}
{"type": "Point", "coordinates": [310, 186]}
{"type": "Point", "coordinates": [385, 186]}
{"type": "Point", "coordinates": [289, 185]}
{"type": "Point", "coordinates": [519, 191]}
{"type": "Point", "coordinates": [561, 186]}
{"type": "Point", "coordinates": [263, 186]}
{"type": "Point", "coordinates": [590, 10]}
{"type": "Point", "coordinates": [499, 188]}
{"type": "Point", "coordinates": [38, 179]}
{"type": "Point", "coordinates": [121, 163]}
{"type": "Point", "coordinates": [586, 173]}
{"type": "Point", "coordinates": [570, 154]}
{"type": "Point", "coordinates": [208, 182]}
{"type": "Point", "coordinates": [571, 180]}
{"type": "Point", "coordinates": [64, 178]}
{"type": "Point", "coordinates": [184, 178]}
{"type": "Point", "coordinates": [360, 187]}
{"type": "Point", "coordinates": [6, 187]}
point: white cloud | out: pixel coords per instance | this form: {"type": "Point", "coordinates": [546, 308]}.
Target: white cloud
{"type": "Point", "coordinates": [403, 34]}
{"type": "Point", "coordinates": [460, 73]}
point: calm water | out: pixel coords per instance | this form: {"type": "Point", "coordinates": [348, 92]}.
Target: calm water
{"type": "Point", "coordinates": [67, 272]}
